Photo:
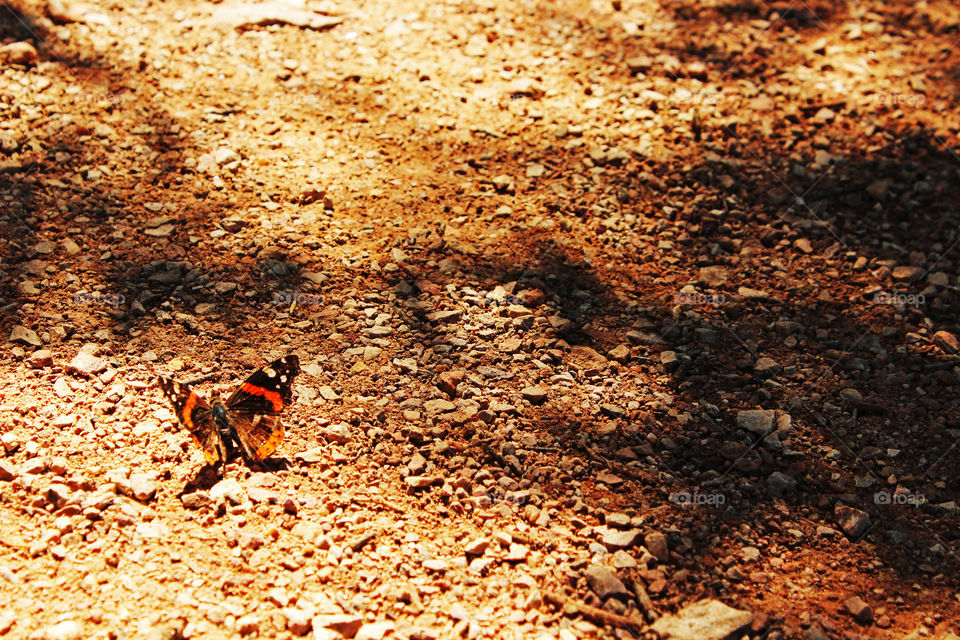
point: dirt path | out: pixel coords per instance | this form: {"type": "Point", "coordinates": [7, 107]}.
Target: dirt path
{"type": "Point", "coordinates": [607, 313]}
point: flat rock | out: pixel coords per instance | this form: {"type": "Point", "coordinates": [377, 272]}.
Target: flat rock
{"type": "Point", "coordinates": [86, 363]}
{"type": "Point", "coordinates": [244, 15]}
{"type": "Point", "coordinates": [758, 421]}
{"type": "Point", "coordinates": [604, 583]}
{"type": "Point", "coordinates": [24, 335]}
{"type": "Point", "coordinates": [617, 540]}
{"type": "Point", "coordinates": [753, 294]}
{"type": "Point", "coordinates": [534, 395]}
{"type": "Point", "coordinates": [704, 620]}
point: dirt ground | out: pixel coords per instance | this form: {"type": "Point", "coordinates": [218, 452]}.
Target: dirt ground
{"type": "Point", "coordinates": [603, 310]}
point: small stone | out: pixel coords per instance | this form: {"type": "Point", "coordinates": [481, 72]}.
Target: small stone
{"type": "Point", "coordinates": [448, 381]}
{"type": "Point", "coordinates": [623, 560]}
{"type": "Point", "coordinates": [7, 471]}
{"type": "Point", "coordinates": [753, 294]}
{"type": "Point", "coordinates": [419, 482]}
{"type": "Point", "coordinates": [859, 609]}
{"type": "Point", "coordinates": [476, 547]}
{"type": "Point", "coordinates": [766, 366]}
{"type": "Point", "coordinates": [616, 540]}
{"type": "Point", "coordinates": [669, 360]}
{"type": "Point", "coordinates": [24, 335]}
{"type": "Point", "coordinates": [41, 358]}
{"type": "Point", "coordinates": [758, 421]}
{"type": "Point", "coordinates": [947, 341]}
{"type": "Point", "coordinates": [144, 486]}
{"type": "Point", "coordinates": [704, 620]}
{"type": "Point", "coordinates": [604, 583]}
{"type": "Point", "coordinates": [713, 276]}
{"type": "Point", "coordinates": [18, 53]}
{"type": "Point", "coordinates": [298, 621]}
{"type": "Point", "coordinates": [196, 500]}
{"type": "Point", "coordinates": [247, 624]}
{"type": "Point", "coordinates": [345, 624]}
{"type": "Point", "coordinates": [436, 565]}
{"type": "Point", "coordinates": [779, 484]}
{"type": "Point", "coordinates": [517, 553]}
{"type": "Point", "coordinates": [656, 544]}
{"type": "Point", "coordinates": [375, 630]}
{"type": "Point", "coordinates": [228, 489]}
{"type": "Point", "coordinates": [854, 522]}
{"type": "Point", "coordinates": [33, 467]}
{"type": "Point", "coordinates": [534, 395]}
{"type": "Point", "coordinates": [620, 353]}
{"type": "Point", "coordinates": [908, 274]}
{"type": "Point", "coordinates": [66, 630]}
{"type": "Point", "coordinates": [86, 363]}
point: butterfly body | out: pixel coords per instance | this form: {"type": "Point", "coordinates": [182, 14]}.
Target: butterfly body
{"type": "Point", "coordinates": [248, 420]}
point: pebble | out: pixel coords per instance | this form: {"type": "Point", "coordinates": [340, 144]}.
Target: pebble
{"type": "Point", "coordinates": [623, 560]}
{"type": "Point", "coordinates": [616, 540]}
{"type": "Point", "coordinates": [33, 466]}
{"type": "Point", "coordinates": [344, 624]}
{"type": "Point", "coordinates": [604, 583]}
{"type": "Point", "coordinates": [86, 363]}
{"type": "Point", "coordinates": [947, 341]}
{"type": "Point", "coordinates": [230, 490]}
{"type": "Point", "coordinates": [196, 500]}
{"type": "Point", "coordinates": [704, 620]}
{"type": "Point", "coordinates": [534, 395]}
{"type": "Point", "coordinates": [757, 421]}
{"type": "Point", "coordinates": [26, 336]}
{"type": "Point", "coordinates": [419, 482]}
{"type": "Point", "coordinates": [436, 565]}
{"type": "Point", "coordinates": [18, 53]}
{"type": "Point", "coordinates": [143, 486]}
{"type": "Point", "coordinates": [656, 543]}
{"type": "Point", "coordinates": [754, 295]}
{"type": "Point", "coordinates": [298, 621]}
{"type": "Point", "coordinates": [854, 522]}
{"type": "Point", "coordinates": [908, 273]}
{"type": "Point", "coordinates": [780, 484]}
{"type": "Point", "coordinates": [620, 353]}
{"type": "Point", "coordinates": [859, 609]}
{"type": "Point", "coordinates": [375, 630]}
{"type": "Point", "coordinates": [41, 358]}
{"type": "Point", "coordinates": [7, 471]}
{"type": "Point", "coordinates": [669, 360]}
{"type": "Point", "coordinates": [476, 547]}
{"type": "Point", "coordinates": [66, 630]}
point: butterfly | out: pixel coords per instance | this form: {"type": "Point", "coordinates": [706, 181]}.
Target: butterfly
{"type": "Point", "coordinates": [249, 419]}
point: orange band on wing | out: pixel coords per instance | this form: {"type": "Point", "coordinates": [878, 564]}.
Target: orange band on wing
{"type": "Point", "coordinates": [272, 396]}
{"type": "Point", "coordinates": [186, 414]}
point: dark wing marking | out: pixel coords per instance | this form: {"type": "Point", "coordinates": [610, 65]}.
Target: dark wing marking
{"type": "Point", "coordinates": [194, 412]}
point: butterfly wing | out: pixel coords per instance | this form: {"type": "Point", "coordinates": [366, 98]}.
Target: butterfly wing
{"type": "Point", "coordinates": [257, 435]}
{"type": "Point", "coordinates": [256, 405]}
{"type": "Point", "coordinates": [194, 413]}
